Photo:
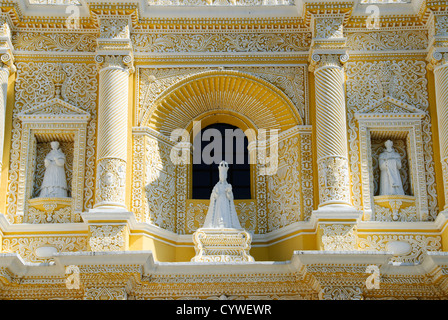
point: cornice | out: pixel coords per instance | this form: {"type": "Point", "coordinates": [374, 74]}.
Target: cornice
{"type": "Point", "coordinates": [220, 59]}
{"type": "Point", "coordinates": [172, 18]}
{"type": "Point", "coordinates": [387, 54]}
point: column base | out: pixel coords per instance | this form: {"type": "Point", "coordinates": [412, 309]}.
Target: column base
{"type": "Point", "coordinates": [336, 227]}
{"type": "Point", "coordinates": [108, 229]}
{"type": "Point", "coordinates": [337, 208]}
{"type": "Point", "coordinates": [108, 209]}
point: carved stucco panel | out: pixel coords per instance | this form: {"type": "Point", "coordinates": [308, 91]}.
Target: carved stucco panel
{"type": "Point", "coordinates": [369, 81]}
{"type": "Point", "coordinates": [33, 86]}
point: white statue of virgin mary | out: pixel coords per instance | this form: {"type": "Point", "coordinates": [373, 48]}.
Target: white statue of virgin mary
{"type": "Point", "coordinates": [390, 164]}
{"type": "Point", "coordinates": [54, 184]}
{"type": "Point", "coordinates": [221, 211]}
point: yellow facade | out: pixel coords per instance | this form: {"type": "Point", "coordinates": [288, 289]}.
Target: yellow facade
{"type": "Point", "coordinates": [112, 83]}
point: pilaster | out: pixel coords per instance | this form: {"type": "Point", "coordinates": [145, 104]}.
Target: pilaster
{"type": "Point", "coordinates": [108, 231]}
{"type": "Point", "coordinates": [438, 63]}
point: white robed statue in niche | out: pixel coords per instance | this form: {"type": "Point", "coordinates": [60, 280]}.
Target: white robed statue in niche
{"type": "Point", "coordinates": [390, 165]}
{"type": "Point", "coordinates": [54, 184]}
{"type": "Point", "coordinates": [221, 211]}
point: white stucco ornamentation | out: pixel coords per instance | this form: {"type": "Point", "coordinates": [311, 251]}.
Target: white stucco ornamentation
{"type": "Point", "coordinates": [113, 89]}
{"type": "Point", "coordinates": [390, 118]}
{"type": "Point", "coordinates": [441, 82]}
{"type": "Point", "coordinates": [338, 237]}
{"type": "Point", "coordinates": [107, 237]}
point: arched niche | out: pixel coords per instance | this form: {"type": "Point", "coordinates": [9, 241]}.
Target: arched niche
{"type": "Point", "coordinates": [221, 91]}
{"type": "Point", "coordinates": [161, 191]}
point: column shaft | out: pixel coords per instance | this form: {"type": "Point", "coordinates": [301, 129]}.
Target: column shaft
{"type": "Point", "coordinates": [112, 137]}
{"type": "Point", "coordinates": [331, 136]}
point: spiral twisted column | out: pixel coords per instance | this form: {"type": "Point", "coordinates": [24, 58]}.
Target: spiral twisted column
{"type": "Point", "coordinates": [441, 88]}
{"type": "Point", "coordinates": [112, 132]}
{"type": "Point", "coordinates": [331, 131]}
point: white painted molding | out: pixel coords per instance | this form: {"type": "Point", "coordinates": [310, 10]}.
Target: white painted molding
{"type": "Point", "coordinates": [146, 10]}
{"type": "Point", "coordinates": [300, 262]}
{"type": "Point", "coordinates": [282, 234]}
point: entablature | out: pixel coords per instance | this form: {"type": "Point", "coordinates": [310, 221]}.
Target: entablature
{"type": "Point", "coordinates": [156, 15]}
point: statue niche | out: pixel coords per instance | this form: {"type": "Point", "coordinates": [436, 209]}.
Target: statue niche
{"type": "Point", "coordinates": [222, 239]}
{"type": "Point", "coordinates": [51, 200]}
{"type": "Point", "coordinates": [390, 165]}
{"type": "Point", "coordinates": [221, 211]}
{"type": "Point", "coordinates": [54, 184]}
{"type": "Point", "coordinates": [394, 200]}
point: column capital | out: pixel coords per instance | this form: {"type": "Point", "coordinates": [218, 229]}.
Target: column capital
{"type": "Point", "coordinates": [320, 58]}
{"type": "Point", "coordinates": [6, 47]}
{"type": "Point", "coordinates": [124, 60]}
{"type": "Point", "coordinates": [437, 58]}
{"type": "Point", "coordinates": [438, 38]}
{"type": "Point", "coordinates": [328, 45]}
{"type": "Point", "coordinates": [114, 45]}
{"type": "Point", "coordinates": [7, 61]}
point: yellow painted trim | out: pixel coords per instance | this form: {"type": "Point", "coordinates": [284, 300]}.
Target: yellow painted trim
{"type": "Point", "coordinates": [312, 114]}
{"type": "Point", "coordinates": [435, 138]}
{"type": "Point", "coordinates": [278, 249]}
{"type": "Point", "coordinates": [43, 233]}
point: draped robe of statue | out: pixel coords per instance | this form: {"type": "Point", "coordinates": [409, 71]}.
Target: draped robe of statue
{"type": "Point", "coordinates": [54, 184]}
{"type": "Point", "coordinates": [221, 211]}
{"type": "Point", "coordinates": [390, 164]}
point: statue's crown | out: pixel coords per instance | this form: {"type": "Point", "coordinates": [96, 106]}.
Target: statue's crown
{"type": "Point", "coordinates": [223, 165]}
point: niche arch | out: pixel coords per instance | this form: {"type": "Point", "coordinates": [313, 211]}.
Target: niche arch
{"type": "Point", "coordinates": [221, 91]}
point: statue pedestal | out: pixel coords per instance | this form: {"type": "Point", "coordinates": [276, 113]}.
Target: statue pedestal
{"type": "Point", "coordinates": [222, 245]}
{"type": "Point", "coordinates": [396, 208]}
{"type": "Point", "coordinates": [51, 210]}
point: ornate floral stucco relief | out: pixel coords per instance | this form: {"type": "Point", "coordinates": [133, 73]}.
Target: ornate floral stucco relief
{"type": "Point", "coordinates": [34, 85]}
